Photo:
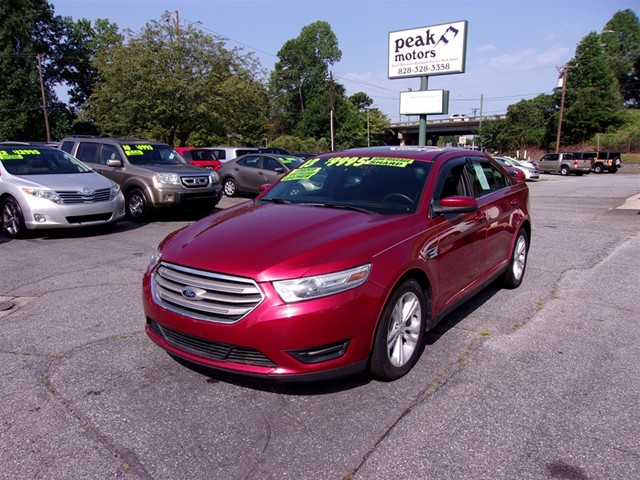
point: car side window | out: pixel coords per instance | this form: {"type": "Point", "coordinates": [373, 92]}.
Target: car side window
{"type": "Point", "coordinates": [451, 181]}
{"type": "Point", "coordinates": [88, 152]}
{"type": "Point", "coordinates": [66, 147]}
{"type": "Point", "coordinates": [250, 161]}
{"type": "Point", "coordinates": [486, 177]}
{"type": "Point", "coordinates": [270, 164]}
{"type": "Point", "coordinates": [109, 152]}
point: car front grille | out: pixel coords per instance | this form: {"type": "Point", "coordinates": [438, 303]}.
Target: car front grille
{"type": "Point", "coordinates": [204, 295]}
{"type": "Point", "coordinates": [200, 181]}
{"type": "Point", "coordinates": [101, 195]}
{"type": "Point", "coordinates": [213, 350]}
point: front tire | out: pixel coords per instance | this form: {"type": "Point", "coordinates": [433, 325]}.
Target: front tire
{"type": "Point", "coordinates": [12, 218]}
{"type": "Point", "coordinates": [398, 341]}
{"type": "Point", "coordinates": [518, 263]}
{"type": "Point", "coordinates": [137, 205]}
{"type": "Point", "coordinates": [230, 187]}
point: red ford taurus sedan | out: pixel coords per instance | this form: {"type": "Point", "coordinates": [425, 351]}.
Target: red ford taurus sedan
{"type": "Point", "coordinates": [340, 266]}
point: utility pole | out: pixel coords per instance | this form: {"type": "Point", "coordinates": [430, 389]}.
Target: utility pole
{"type": "Point", "coordinates": [331, 109]}
{"type": "Point", "coordinates": [565, 69]}
{"type": "Point", "coordinates": [44, 100]}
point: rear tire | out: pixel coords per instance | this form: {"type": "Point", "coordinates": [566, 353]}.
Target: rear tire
{"type": "Point", "coordinates": [398, 341]}
{"type": "Point", "coordinates": [12, 218]}
{"type": "Point", "coordinates": [518, 263]}
{"type": "Point", "coordinates": [598, 168]}
{"type": "Point", "coordinates": [564, 170]}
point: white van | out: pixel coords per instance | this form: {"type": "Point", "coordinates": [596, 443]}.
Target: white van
{"type": "Point", "coordinates": [224, 154]}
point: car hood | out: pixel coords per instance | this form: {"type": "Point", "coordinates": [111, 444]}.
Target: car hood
{"type": "Point", "coordinates": [269, 242]}
{"type": "Point", "coordinates": [180, 169]}
{"type": "Point", "coordinates": [64, 181]}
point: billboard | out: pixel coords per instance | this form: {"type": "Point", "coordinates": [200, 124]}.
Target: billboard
{"type": "Point", "coordinates": [425, 102]}
{"type": "Point", "coordinates": [433, 50]}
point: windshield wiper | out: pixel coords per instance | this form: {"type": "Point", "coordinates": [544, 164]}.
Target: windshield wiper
{"type": "Point", "coordinates": [344, 206]}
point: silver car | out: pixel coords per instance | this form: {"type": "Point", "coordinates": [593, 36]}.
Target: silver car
{"type": "Point", "coordinates": [43, 187]}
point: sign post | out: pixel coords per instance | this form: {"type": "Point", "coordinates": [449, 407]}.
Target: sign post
{"type": "Point", "coordinates": [425, 51]}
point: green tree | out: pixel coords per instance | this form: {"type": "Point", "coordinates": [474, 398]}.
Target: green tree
{"type": "Point", "coordinates": [301, 74]}
{"type": "Point", "coordinates": [527, 124]}
{"type": "Point", "coordinates": [621, 42]}
{"type": "Point", "coordinates": [592, 99]}
{"type": "Point", "coordinates": [29, 30]}
{"type": "Point", "coordinates": [172, 82]}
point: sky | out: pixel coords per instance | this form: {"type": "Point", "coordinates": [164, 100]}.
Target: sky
{"type": "Point", "coordinates": [515, 48]}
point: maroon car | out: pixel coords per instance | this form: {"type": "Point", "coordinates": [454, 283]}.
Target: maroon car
{"type": "Point", "coordinates": [340, 266]}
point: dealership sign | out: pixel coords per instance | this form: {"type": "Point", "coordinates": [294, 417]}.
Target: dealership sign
{"type": "Point", "coordinates": [424, 102]}
{"type": "Point", "coordinates": [434, 50]}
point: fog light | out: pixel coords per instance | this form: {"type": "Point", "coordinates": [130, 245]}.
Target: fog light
{"type": "Point", "coordinates": [38, 217]}
{"type": "Point", "coordinates": [167, 197]}
{"type": "Point", "coordinates": [321, 353]}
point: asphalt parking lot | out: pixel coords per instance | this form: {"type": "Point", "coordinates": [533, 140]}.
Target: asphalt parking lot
{"type": "Point", "coordinates": [541, 382]}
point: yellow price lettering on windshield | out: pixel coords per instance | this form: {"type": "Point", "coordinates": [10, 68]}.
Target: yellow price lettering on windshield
{"type": "Point", "coordinates": [301, 174]}
{"type": "Point", "coordinates": [310, 163]}
{"type": "Point", "coordinates": [133, 152]}
{"type": "Point", "coordinates": [4, 155]}
{"type": "Point", "coordinates": [361, 161]}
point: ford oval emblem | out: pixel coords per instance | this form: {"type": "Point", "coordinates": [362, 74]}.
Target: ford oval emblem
{"type": "Point", "coordinates": [192, 293]}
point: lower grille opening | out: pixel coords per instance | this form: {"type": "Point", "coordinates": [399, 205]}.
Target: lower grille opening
{"type": "Point", "coordinates": [322, 353]}
{"type": "Point", "coordinates": [101, 217]}
{"type": "Point", "coordinates": [222, 352]}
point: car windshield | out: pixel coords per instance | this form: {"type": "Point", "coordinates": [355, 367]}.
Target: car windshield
{"type": "Point", "coordinates": [147, 154]}
{"type": "Point", "coordinates": [290, 161]}
{"type": "Point", "coordinates": [381, 185]}
{"type": "Point", "coordinates": [40, 161]}
{"type": "Point", "coordinates": [202, 155]}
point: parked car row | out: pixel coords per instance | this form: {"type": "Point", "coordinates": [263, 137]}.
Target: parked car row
{"type": "Point", "coordinates": [580, 163]}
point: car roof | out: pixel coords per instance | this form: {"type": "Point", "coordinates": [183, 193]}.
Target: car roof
{"type": "Point", "coordinates": [428, 153]}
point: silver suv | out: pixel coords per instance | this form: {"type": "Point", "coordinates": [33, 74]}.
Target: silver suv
{"type": "Point", "coordinates": [152, 175]}
{"type": "Point", "coordinates": [565, 163]}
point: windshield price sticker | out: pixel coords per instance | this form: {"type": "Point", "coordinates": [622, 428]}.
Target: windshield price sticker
{"type": "Point", "coordinates": [135, 149]}
{"type": "Point", "coordinates": [367, 161]}
{"type": "Point", "coordinates": [288, 160]}
{"type": "Point", "coordinates": [301, 174]}
{"type": "Point", "coordinates": [17, 154]}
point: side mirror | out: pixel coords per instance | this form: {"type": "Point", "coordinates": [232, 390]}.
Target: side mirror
{"type": "Point", "coordinates": [114, 163]}
{"type": "Point", "coordinates": [450, 205]}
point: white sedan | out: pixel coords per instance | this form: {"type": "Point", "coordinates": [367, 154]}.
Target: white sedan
{"type": "Point", "coordinates": [530, 172]}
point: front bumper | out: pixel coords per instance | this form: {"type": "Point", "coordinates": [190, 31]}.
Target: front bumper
{"type": "Point", "coordinates": [315, 339]}
{"type": "Point", "coordinates": [43, 214]}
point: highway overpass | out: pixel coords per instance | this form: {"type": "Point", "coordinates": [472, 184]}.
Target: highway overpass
{"type": "Point", "coordinates": [407, 132]}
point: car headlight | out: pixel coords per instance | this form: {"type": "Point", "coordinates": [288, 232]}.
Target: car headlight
{"type": "Point", "coordinates": [42, 193]}
{"type": "Point", "coordinates": [306, 288]}
{"type": "Point", "coordinates": [215, 178]}
{"type": "Point", "coordinates": [154, 260]}
{"type": "Point", "coordinates": [114, 191]}
{"type": "Point", "coordinates": [166, 179]}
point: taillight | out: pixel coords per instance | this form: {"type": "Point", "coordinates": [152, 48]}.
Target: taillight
{"type": "Point", "coordinates": [575, 163]}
